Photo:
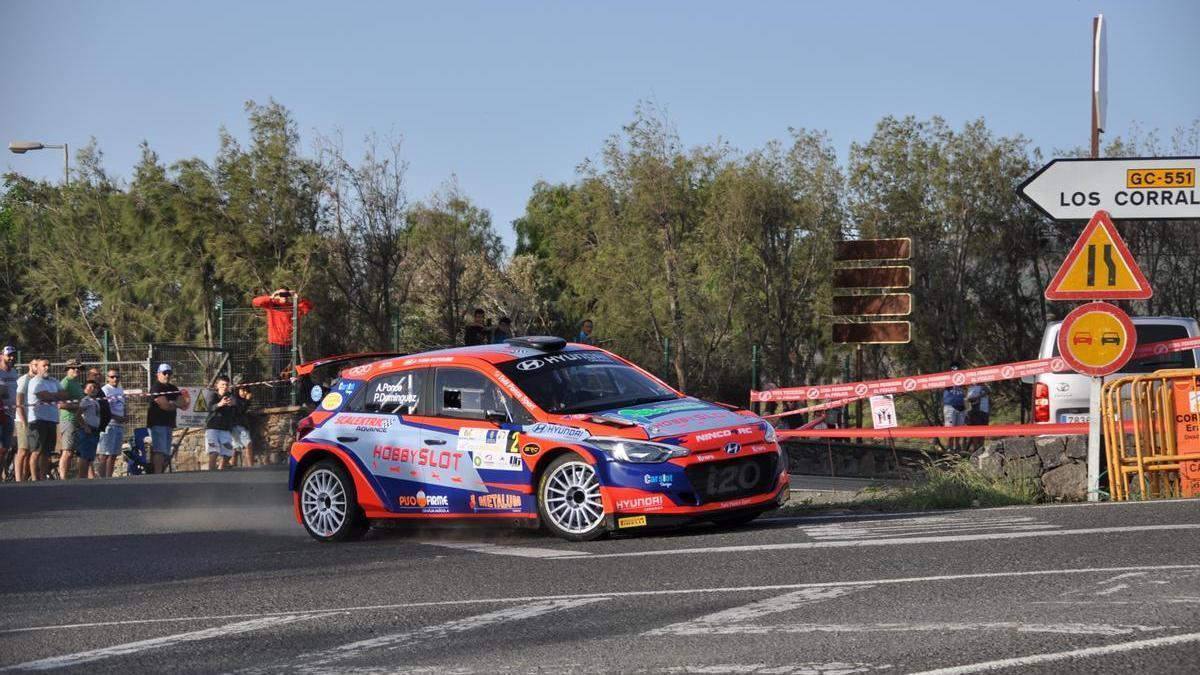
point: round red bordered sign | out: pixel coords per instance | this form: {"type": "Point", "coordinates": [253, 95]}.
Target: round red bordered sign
{"type": "Point", "coordinates": [1097, 339]}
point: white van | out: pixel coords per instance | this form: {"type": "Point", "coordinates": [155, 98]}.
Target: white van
{"type": "Point", "coordinates": [1063, 397]}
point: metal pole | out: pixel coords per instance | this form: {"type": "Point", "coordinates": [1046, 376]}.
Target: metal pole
{"type": "Point", "coordinates": [105, 350]}
{"type": "Point", "coordinates": [221, 323]}
{"type": "Point", "coordinates": [754, 367]}
{"type": "Point", "coordinates": [858, 377]}
{"type": "Point", "coordinates": [1093, 448]}
{"type": "Point", "coordinates": [295, 341]}
{"type": "Point", "coordinates": [66, 165]}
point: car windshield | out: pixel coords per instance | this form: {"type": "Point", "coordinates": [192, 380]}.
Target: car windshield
{"type": "Point", "coordinates": [583, 382]}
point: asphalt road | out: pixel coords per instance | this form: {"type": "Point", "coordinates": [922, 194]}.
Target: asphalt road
{"type": "Point", "coordinates": [209, 573]}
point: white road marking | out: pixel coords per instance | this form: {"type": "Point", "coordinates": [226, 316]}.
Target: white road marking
{"type": "Point", "coordinates": [66, 660]}
{"type": "Point", "coordinates": [313, 661]}
{"type": "Point", "coordinates": [918, 531]}
{"type": "Point", "coordinates": [894, 541]}
{"type": "Point", "coordinates": [1017, 626]}
{"type": "Point", "coordinates": [812, 668]}
{"type": "Point", "coordinates": [518, 551]}
{"type": "Point", "coordinates": [1035, 659]}
{"type": "Point", "coordinates": [834, 668]}
{"type": "Point", "coordinates": [711, 623]}
{"type": "Point", "coordinates": [634, 594]}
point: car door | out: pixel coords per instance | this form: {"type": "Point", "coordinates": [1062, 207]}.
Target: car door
{"type": "Point", "coordinates": [473, 416]}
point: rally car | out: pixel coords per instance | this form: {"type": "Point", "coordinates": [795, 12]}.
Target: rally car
{"type": "Point", "coordinates": [538, 431]}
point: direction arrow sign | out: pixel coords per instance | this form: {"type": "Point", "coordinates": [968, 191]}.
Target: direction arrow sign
{"type": "Point", "coordinates": [1099, 267]}
{"type": "Point", "coordinates": [1146, 188]}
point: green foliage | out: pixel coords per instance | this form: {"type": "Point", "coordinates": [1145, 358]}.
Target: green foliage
{"type": "Point", "coordinates": [954, 484]}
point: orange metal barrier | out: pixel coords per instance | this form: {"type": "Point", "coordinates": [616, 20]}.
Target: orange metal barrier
{"type": "Point", "coordinates": [1151, 429]}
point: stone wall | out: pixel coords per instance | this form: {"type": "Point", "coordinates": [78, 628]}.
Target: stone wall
{"type": "Point", "coordinates": [1057, 463]}
{"type": "Point", "coordinates": [272, 431]}
{"type": "Point", "coordinates": [850, 460]}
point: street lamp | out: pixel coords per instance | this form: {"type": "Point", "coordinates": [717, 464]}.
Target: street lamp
{"type": "Point", "coordinates": [22, 147]}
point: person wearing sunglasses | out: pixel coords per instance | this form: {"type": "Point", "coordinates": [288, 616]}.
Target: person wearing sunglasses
{"type": "Point", "coordinates": [114, 434]}
{"type": "Point", "coordinates": [165, 400]}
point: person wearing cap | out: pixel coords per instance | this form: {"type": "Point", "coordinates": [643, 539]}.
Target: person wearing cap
{"type": "Point", "coordinates": [8, 403]}
{"type": "Point", "coordinates": [114, 434]}
{"type": "Point", "coordinates": [278, 306]}
{"type": "Point", "coordinates": [165, 400]}
{"type": "Point", "coordinates": [68, 420]}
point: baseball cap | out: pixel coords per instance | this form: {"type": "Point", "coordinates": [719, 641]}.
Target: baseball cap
{"type": "Point", "coordinates": [9, 349]}
{"type": "Point", "coordinates": [164, 368]}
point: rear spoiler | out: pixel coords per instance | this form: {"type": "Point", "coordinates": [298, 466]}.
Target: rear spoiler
{"type": "Point", "coordinates": [307, 368]}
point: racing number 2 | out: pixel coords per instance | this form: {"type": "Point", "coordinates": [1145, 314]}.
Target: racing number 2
{"type": "Point", "coordinates": [723, 479]}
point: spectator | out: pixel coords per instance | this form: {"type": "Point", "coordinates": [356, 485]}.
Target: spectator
{"type": "Point", "coordinates": [476, 333]}
{"type": "Point", "coordinates": [280, 331]}
{"type": "Point", "coordinates": [978, 411]}
{"type": "Point", "coordinates": [222, 409]}
{"type": "Point", "coordinates": [68, 419]}
{"type": "Point", "coordinates": [165, 400]}
{"type": "Point", "coordinates": [44, 393]}
{"type": "Point", "coordinates": [93, 375]}
{"type": "Point", "coordinates": [112, 435]}
{"type": "Point", "coordinates": [89, 430]}
{"type": "Point", "coordinates": [240, 433]}
{"type": "Point", "coordinates": [503, 330]}
{"type": "Point", "coordinates": [585, 333]}
{"type": "Point", "coordinates": [21, 463]}
{"type": "Point", "coordinates": [954, 409]}
{"type": "Point", "coordinates": [8, 405]}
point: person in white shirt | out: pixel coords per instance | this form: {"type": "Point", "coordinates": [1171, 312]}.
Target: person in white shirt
{"type": "Point", "coordinates": [44, 395]}
{"type": "Point", "coordinates": [113, 435]}
{"type": "Point", "coordinates": [89, 434]}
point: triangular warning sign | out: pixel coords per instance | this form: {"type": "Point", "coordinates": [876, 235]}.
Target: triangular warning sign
{"type": "Point", "coordinates": [201, 405]}
{"type": "Point", "coordinates": [1099, 267]}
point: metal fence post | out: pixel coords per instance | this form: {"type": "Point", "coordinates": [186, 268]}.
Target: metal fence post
{"type": "Point", "coordinates": [105, 350]}
{"type": "Point", "coordinates": [754, 367]}
{"type": "Point", "coordinates": [220, 323]}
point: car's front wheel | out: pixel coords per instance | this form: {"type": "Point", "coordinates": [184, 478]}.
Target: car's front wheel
{"type": "Point", "coordinates": [569, 499]}
{"type": "Point", "coordinates": [329, 505]}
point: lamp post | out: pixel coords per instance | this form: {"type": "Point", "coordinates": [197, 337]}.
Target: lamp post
{"type": "Point", "coordinates": [22, 147]}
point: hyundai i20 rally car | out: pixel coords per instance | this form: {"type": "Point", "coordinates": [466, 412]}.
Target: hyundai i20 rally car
{"type": "Point", "coordinates": [535, 430]}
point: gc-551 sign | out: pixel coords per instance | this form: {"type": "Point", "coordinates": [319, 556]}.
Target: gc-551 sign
{"type": "Point", "coordinates": [1149, 188]}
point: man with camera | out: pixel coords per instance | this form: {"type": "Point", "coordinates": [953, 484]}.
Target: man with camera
{"type": "Point", "coordinates": [223, 409]}
{"type": "Point", "coordinates": [278, 306]}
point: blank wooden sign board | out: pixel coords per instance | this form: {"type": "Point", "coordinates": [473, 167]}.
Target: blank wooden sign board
{"type": "Point", "coordinates": [878, 332]}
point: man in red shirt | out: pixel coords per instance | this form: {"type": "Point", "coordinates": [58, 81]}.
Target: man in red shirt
{"type": "Point", "coordinates": [278, 306]}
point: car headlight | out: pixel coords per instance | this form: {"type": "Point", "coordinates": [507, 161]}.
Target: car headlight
{"type": "Point", "coordinates": [636, 452]}
{"type": "Point", "coordinates": [768, 432]}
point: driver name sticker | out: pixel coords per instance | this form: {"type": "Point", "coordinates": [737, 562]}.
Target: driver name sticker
{"type": "Point", "coordinates": [557, 432]}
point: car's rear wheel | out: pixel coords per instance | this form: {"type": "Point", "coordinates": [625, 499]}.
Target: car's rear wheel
{"type": "Point", "coordinates": [569, 499]}
{"type": "Point", "coordinates": [329, 504]}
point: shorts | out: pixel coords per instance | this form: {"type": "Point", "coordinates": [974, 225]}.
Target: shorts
{"type": "Point", "coordinates": [6, 431]}
{"type": "Point", "coordinates": [160, 440]}
{"type": "Point", "coordinates": [953, 417]}
{"type": "Point", "coordinates": [977, 418]}
{"type": "Point", "coordinates": [241, 437]}
{"type": "Point", "coordinates": [111, 439]}
{"type": "Point", "coordinates": [68, 436]}
{"type": "Point", "coordinates": [22, 435]}
{"type": "Point", "coordinates": [41, 436]}
{"type": "Point", "coordinates": [218, 442]}
{"type": "Point", "coordinates": [86, 445]}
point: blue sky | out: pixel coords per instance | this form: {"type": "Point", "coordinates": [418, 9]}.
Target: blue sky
{"type": "Point", "coordinates": [502, 94]}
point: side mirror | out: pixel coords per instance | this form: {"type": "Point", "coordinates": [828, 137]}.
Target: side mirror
{"type": "Point", "coordinates": [496, 416]}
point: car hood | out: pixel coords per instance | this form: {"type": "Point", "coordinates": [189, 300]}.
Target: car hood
{"type": "Point", "coordinates": [674, 418]}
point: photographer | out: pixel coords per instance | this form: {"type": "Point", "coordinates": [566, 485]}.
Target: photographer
{"type": "Point", "coordinates": [278, 306]}
{"type": "Point", "coordinates": [222, 414]}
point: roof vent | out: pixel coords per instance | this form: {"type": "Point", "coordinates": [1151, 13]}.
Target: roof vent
{"type": "Point", "coordinates": [546, 343]}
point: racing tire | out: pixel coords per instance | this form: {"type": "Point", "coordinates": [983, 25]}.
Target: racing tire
{"type": "Point", "coordinates": [736, 520]}
{"type": "Point", "coordinates": [329, 504]}
{"type": "Point", "coordinates": [569, 503]}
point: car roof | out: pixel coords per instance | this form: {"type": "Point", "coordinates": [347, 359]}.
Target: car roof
{"type": "Point", "coordinates": [494, 354]}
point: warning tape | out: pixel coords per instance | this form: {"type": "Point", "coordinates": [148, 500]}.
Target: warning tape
{"type": "Point", "coordinates": [270, 383]}
{"type": "Point", "coordinates": [955, 378]}
{"type": "Point", "coordinates": [1073, 429]}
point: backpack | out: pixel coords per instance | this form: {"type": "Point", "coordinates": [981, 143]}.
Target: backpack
{"type": "Point", "coordinates": [105, 415]}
